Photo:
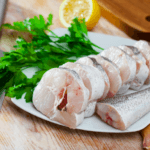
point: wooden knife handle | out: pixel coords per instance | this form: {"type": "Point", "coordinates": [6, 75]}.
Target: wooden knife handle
{"type": "Point", "coordinates": [146, 137]}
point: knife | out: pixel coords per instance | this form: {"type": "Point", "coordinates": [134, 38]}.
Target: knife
{"type": "Point", "coordinates": [2, 14]}
{"type": "Point", "coordinates": [2, 10]}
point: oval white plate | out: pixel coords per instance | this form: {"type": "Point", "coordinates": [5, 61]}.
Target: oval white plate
{"type": "Point", "coordinates": [93, 123]}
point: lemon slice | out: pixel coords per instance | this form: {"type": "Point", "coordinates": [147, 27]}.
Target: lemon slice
{"type": "Point", "coordinates": [88, 9]}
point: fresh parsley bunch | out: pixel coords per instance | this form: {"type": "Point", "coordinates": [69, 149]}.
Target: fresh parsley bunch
{"type": "Point", "coordinates": [45, 51]}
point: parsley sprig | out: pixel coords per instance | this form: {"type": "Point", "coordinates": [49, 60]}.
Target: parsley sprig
{"type": "Point", "coordinates": [45, 51]}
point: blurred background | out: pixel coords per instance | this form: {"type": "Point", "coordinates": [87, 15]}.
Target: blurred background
{"type": "Point", "coordinates": [129, 19]}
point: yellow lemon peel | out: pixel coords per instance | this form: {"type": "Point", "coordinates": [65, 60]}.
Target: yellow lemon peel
{"type": "Point", "coordinates": [88, 9]}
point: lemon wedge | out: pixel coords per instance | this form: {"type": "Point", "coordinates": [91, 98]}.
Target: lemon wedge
{"type": "Point", "coordinates": [88, 9]}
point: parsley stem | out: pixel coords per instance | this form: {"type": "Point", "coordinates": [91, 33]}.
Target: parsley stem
{"type": "Point", "coordinates": [53, 33]}
{"type": "Point", "coordinates": [96, 46]}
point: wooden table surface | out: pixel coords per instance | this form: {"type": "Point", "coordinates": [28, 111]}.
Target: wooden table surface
{"type": "Point", "coordinates": [21, 131]}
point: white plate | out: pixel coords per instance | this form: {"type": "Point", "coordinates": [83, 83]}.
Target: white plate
{"type": "Point", "coordinates": [93, 123]}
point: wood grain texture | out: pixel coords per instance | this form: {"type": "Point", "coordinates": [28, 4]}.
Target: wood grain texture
{"type": "Point", "coordinates": [146, 137]}
{"type": "Point", "coordinates": [21, 131]}
{"type": "Point", "coordinates": [135, 13]}
{"type": "Point", "coordinates": [20, 10]}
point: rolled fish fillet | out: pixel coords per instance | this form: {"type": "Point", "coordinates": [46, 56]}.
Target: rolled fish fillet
{"type": "Point", "coordinates": [113, 74]}
{"type": "Point", "coordinates": [62, 96]}
{"type": "Point", "coordinates": [144, 48]}
{"type": "Point", "coordinates": [92, 62]}
{"type": "Point", "coordinates": [125, 63]}
{"type": "Point", "coordinates": [122, 111]}
{"type": "Point", "coordinates": [141, 67]}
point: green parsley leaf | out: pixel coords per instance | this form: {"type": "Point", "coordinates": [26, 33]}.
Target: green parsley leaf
{"type": "Point", "coordinates": [43, 51]}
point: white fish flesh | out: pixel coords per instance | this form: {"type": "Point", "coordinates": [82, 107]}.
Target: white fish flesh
{"type": "Point", "coordinates": [144, 48]}
{"type": "Point", "coordinates": [94, 82]}
{"type": "Point", "coordinates": [92, 62]}
{"type": "Point", "coordinates": [125, 63]}
{"type": "Point", "coordinates": [141, 67]}
{"type": "Point", "coordinates": [91, 77]}
{"type": "Point", "coordinates": [113, 74]}
{"type": "Point", "coordinates": [61, 94]}
{"type": "Point", "coordinates": [122, 111]}
{"type": "Point", "coordinates": [70, 120]}
{"type": "Point", "coordinates": [90, 110]}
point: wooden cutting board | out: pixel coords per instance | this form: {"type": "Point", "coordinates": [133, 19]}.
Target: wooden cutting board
{"type": "Point", "coordinates": [135, 13]}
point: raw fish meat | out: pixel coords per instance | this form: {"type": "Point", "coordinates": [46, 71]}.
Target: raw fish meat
{"type": "Point", "coordinates": [141, 67]}
{"type": "Point", "coordinates": [122, 111]}
{"type": "Point", "coordinates": [91, 77]}
{"type": "Point", "coordinates": [125, 63]}
{"type": "Point", "coordinates": [61, 95]}
{"type": "Point", "coordinates": [144, 48]}
{"type": "Point", "coordinates": [92, 62]}
{"type": "Point", "coordinates": [94, 82]}
{"type": "Point", "coordinates": [113, 74]}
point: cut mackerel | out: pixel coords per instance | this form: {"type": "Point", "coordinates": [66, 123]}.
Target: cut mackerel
{"type": "Point", "coordinates": [141, 67]}
{"type": "Point", "coordinates": [113, 74]}
{"type": "Point", "coordinates": [125, 63]}
{"type": "Point", "coordinates": [92, 62]}
{"type": "Point", "coordinates": [61, 94]}
{"type": "Point", "coordinates": [144, 48]}
{"type": "Point", "coordinates": [122, 111]}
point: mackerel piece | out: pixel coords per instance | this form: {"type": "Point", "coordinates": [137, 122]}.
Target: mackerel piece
{"type": "Point", "coordinates": [113, 74]}
{"type": "Point", "coordinates": [125, 63]}
{"type": "Point", "coordinates": [92, 62]}
{"type": "Point", "coordinates": [62, 96]}
{"type": "Point", "coordinates": [141, 68]}
{"type": "Point", "coordinates": [122, 111]}
{"type": "Point", "coordinates": [144, 48]}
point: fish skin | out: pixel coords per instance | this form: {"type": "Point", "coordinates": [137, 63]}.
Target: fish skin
{"type": "Point", "coordinates": [95, 85]}
{"type": "Point", "coordinates": [112, 72]}
{"type": "Point", "coordinates": [106, 59]}
{"type": "Point", "coordinates": [144, 48]}
{"type": "Point", "coordinates": [137, 53]}
{"type": "Point", "coordinates": [107, 83]}
{"type": "Point", "coordinates": [85, 72]}
{"type": "Point", "coordinates": [122, 111]}
{"type": "Point", "coordinates": [142, 69]}
{"type": "Point", "coordinates": [50, 91]}
{"type": "Point", "coordinates": [85, 61]}
{"type": "Point", "coordinates": [125, 63]}
{"type": "Point", "coordinates": [92, 62]}
{"type": "Point", "coordinates": [90, 110]}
